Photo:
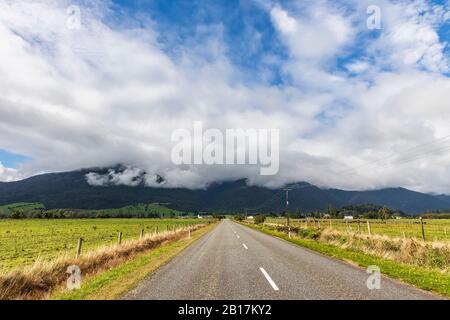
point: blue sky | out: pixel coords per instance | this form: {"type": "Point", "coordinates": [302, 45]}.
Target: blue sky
{"type": "Point", "coordinates": [177, 23]}
{"type": "Point", "coordinates": [12, 160]}
{"type": "Point", "coordinates": [240, 21]}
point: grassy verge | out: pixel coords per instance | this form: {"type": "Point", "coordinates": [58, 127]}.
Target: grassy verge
{"type": "Point", "coordinates": [115, 282]}
{"type": "Point", "coordinates": [424, 278]}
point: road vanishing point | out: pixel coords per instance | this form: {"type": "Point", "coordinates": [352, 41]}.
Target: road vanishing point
{"type": "Point", "coordinates": [234, 262]}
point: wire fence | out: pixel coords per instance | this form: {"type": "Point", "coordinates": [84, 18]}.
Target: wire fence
{"type": "Point", "coordinates": [426, 229]}
{"type": "Point", "coordinates": [22, 242]}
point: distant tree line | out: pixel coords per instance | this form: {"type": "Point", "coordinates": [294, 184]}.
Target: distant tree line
{"type": "Point", "coordinates": [259, 218]}
{"type": "Point", "coordinates": [84, 214]}
{"type": "Point", "coordinates": [436, 215]}
{"type": "Point", "coordinates": [363, 211]}
{"type": "Point", "coordinates": [367, 211]}
{"type": "Point", "coordinates": [445, 211]}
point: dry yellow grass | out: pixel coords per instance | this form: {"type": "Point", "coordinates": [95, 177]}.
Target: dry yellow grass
{"type": "Point", "coordinates": [433, 254]}
{"type": "Point", "coordinates": [38, 280]}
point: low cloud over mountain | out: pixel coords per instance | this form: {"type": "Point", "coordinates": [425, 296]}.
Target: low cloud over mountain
{"type": "Point", "coordinates": [121, 186]}
{"type": "Point", "coordinates": [356, 108]}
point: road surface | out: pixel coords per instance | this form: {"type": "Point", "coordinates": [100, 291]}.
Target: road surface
{"type": "Point", "coordinates": [236, 262]}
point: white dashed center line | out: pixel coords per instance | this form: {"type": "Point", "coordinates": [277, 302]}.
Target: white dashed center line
{"type": "Point", "coordinates": [237, 236]}
{"type": "Point", "coordinates": [245, 246]}
{"type": "Point", "coordinates": [272, 283]}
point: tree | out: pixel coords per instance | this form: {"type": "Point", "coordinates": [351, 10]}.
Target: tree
{"type": "Point", "coordinates": [298, 214]}
{"type": "Point", "coordinates": [17, 214]}
{"type": "Point", "coordinates": [384, 213]}
{"type": "Point", "coordinates": [48, 214]}
{"type": "Point", "coordinates": [371, 215]}
{"type": "Point", "coordinates": [331, 210]}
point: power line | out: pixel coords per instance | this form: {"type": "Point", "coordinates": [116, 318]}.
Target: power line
{"type": "Point", "coordinates": [416, 157]}
{"type": "Point", "coordinates": [278, 196]}
{"type": "Point", "coordinates": [414, 153]}
{"type": "Point", "coordinates": [406, 151]}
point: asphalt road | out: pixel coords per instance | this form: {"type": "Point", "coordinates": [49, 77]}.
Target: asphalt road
{"type": "Point", "coordinates": [236, 262]}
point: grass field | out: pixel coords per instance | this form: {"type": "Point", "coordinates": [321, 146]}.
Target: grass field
{"type": "Point", "coordinates": [22, 242]}
{"type": "Point", "coordinates": [6, 209]}
{"type": "Point", "coordinates": [435, 229]}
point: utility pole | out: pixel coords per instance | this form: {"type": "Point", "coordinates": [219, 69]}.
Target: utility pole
{"type": "Point", "coordinates": [287, 212]}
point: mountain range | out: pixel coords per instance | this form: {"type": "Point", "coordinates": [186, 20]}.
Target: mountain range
{"type": "Point", "coordinates": [71, 190]}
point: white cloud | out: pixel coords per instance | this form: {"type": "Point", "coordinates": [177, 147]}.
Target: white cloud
{"type": "Point", "coordinates": [126, 176]}
{"type": "Point", "coordinates": [99, 96]}
{"type": "Point", "coordinates": [283, 21]}
{"type": "Point", "coordinates": [9, 174]}
{"type": "Point", "coordinates": [97, 180]}
{"type": "Point", "coordinates": [316, 33]}
{"type": "Point", "coordinates": [409, 38]}
{"type": "Point", "coordinates": [358, 66]}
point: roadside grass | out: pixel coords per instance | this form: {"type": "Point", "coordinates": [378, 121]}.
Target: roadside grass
{"type": "Point", "coordinates": [428, 279]}
{"type": "Point", "coordinates": [410, 251]}
{"type": "Point", "coordinates": [115, 282]}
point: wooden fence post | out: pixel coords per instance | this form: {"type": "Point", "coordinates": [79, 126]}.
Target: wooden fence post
{"type": "Point", "coordinates": [423, 229]}
{"type": "Point", "coordinates": [359, 226]}
{"type": "Point", "coordinates": [331, 226]}
{"type": "Point", "coordinates": [142, 234]}
{"type": "Point", "coordinates": [80, 241]}
{"type": "Point", "coordinates": [120, 238]}
{"type": "Point", "coordinates": [368, 228]}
